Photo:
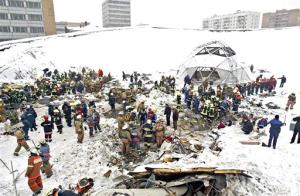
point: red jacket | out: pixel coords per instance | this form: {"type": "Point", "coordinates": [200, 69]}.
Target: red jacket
{"type": "Point", "coordinates": [100, 73]}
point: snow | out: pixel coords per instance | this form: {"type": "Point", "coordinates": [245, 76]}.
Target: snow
{"type": "Point", "coordinates": [155, 50]}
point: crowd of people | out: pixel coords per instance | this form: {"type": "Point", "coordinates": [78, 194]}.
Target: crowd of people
{"type": "Point", "coordinates": [139, 125]}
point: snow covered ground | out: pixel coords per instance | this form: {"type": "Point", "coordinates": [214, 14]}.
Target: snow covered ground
{"type": "Point", "coordinates": [275, 172]}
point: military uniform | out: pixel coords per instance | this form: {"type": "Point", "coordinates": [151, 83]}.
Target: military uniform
{"type": "Point", "coordinates": [79, 130]}
{"type": "Point", "coordinates": [21, 142]}
{"type": "Point", "coordinates": [159, 133]}
{"type": "Point", "coordinates": [33, 173]}
{"type": "Point", "coordinates": [125, 136]}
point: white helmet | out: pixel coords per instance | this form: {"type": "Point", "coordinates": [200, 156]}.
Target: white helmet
{"type": "Point", "coordinates": [42, 141]}
{"type": "Point", "coordinates": [34, 150]}
{"type": "Point", "coordinates": [125, 126]}
{"type": "Point", "coordinates": [78, 117]}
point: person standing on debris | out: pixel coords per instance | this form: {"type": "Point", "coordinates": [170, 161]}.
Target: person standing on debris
{"type": "Point", "coordinates": [33, 172]}
{"type": "Point", "coordinates": [79, 128]}
{"type": "Point", "coordinates": [48, 127]}
{"type": "Point", "coordinates": [21, 142]}
{"type": "Point", "coordinates": [159, 133]}
{"type": "Point", "coordinates": [167, 112]}
{"type": "Point", "coordinates": [45, 155]}
{"type": "Point", "coordinates": [125, 136]}
{"type": "Point", "coordinates": [112, 102]}
{"type": "Point", "coordinates": [283, 81]}
{"type": "Point", "coordinates": [142, 115]}
{"type": "Point", "coordinates": [96, 117]}
{"type": "Point", "coordinates": [189, 99]}
{"type": "Point", "coordinates": [147, 131]}
{"type": "Point", "coordinates": [124, 76]}
{"type": "Point", "coordinates": [274, 131]}
{"type": "Point", "coordinates": [57, 120]}
{"type": "Point", "coordinates": [291, 102]}
{"type": "Point", "coordinates": [175, 117]}
{"type": "Point", "coordinates": [196, 104]}
{"type": "Point", "coordinates": [26, 126]}
{"type": "Point", "coordinates": [296, 131]}
{"type": "Point", "coordinates": [251, 68]}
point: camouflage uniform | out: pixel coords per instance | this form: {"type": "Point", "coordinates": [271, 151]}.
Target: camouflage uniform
{"type": "Point", "coordinates": [21, 142]}
{"type": "Point", "coordinates": [79, 130]}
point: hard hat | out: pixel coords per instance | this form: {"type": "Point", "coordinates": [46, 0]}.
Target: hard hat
{"type": "Point", "coordinates": [56, 111]}
{"type": "Point", "coordinates": [42, 141]}
{"type": "Point", "coordinates": [28, 106]}
{"type": "Point", "coordinates": [34, 150]}
{"type": "Point", "coordinates": [46, 117]}
{"type": "Point", "coordinates": [148, 121]}
{"type": "Point", "coordinates": [78, 117]}
{"type": "Point", "coordinates": [125, 126]}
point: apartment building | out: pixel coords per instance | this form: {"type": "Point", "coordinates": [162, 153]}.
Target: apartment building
{"type": "Point", "coordinates": [237, 21]}
{"type": "Point", "coordinates": [26, 18]}
{"type": "Point", "coordinates": [116, 13]}
{"type": "Point", "coordinates": [281, 18]}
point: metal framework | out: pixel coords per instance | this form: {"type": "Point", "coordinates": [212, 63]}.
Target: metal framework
{"type": "Point", "coordinates": [219, 49]}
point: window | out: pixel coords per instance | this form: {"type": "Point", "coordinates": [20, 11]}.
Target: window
{"type": "Point", "coordinates": [36, 30]}
{"type": "Point", "coordinates": [16, 3]}
{"type": "Point", "coordinates": [35, 17]}
{"type": "Point", "coordinates": [4, 29]}
{"type": "Point", "coordinates": [20, 29]}
{"type": "Point", "coordinates": [3, 16]}
{"type": "Point", "coordinates": [31, 4]}
{"type": "Point", "coordinates": [2, 3]}
{"type": "Point", "coordinates": [18, 16]}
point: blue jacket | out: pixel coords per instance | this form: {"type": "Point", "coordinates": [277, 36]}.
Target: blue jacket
{"type": "Point", "coordinates": [275, 125]}
{"type": "Point", "coordinates": [45, 152]}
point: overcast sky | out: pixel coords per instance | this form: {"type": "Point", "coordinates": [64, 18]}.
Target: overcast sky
{"type": "Point", "coordinates": [177, 13]}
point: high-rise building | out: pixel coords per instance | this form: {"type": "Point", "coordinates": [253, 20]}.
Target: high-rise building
{"type": "Point", "coordinates": [236, 21]}
{"type": "Point", "coordinates": [26, 18]}
{"type": "Point", "coordinates": [116, 13]}
{"type": "Point", "coordinates": [281, 18]}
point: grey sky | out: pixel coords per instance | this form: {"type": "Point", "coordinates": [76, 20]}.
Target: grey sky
{"type": "Point", "coordinates": [179, 13]}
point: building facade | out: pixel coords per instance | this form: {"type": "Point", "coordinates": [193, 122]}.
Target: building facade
{"type": "Point", "coordinates": [241, 20]}
{"type": "Point", "coordinates": [281, 18]}
{"type": "Point", "coordinates": [26, 18]}
{"type": "Point", "coordinates": [116, 13]}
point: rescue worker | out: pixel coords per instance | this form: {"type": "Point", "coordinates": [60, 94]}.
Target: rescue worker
{"type": "Point", "coordinates": [97, 121]}
{"type": "Point", "coordinates": [21, 142]}
{"type": "Point", "coordinates": [48, 127]}
{"type": "Point", "coordinates": [67, 110]}
{"type": "Point", "coordinates": [175, 117]}
{"type": "Point", "coordinates": [90, 123]}
{"type": "Point", "coordinates": [141, 106]}
{"type": "Point", "coordinates": [84, 185]}
{"type": "Point", "coordinates": [142, 115]}
{"type": "Point", "coordinates": [125, 137]}
{"type": "Point", "coordinates": [159, 133]}
{"type": "Point", "coordinates": [283, 81]}
{"type": "Point", "coordinates": [112, 102]}
{"type": "Point", "coordinates": [205, 108]}
{"type": "Point", "coordinates": [45, 155]}
{"type": "Point", "coordinates": [167, 112]}
{"type": "Point", "coordinates": [291, 102]}
{"type": "Point", "coordinates": [296, 130]}
{"type": "Point", "coordinates": [33, 172]}
{"type": "Point", "coordinates": [57, 120]}
{"type": "Point", "coordinates": [274, 131]}
{"type": "Point", "coordinates": [79, 128]}
{"type": "Point", "coordinates": [147, 132]}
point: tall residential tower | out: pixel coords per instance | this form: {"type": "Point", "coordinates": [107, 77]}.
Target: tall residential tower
{"type": "Point", "coordinates": [116, 13]}
{"type": "Point", "coordinates": [26, 18]}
